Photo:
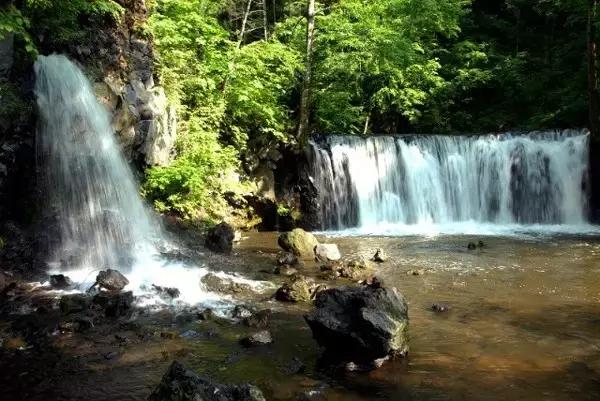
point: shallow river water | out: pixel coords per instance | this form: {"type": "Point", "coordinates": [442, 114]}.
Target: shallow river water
{"type": "Point", "coordinates": [523, 324]}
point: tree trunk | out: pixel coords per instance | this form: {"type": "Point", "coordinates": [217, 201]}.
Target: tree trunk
{"type": "Point", "coordinates": [594, 100]}
{"type": "Point", "coordinates": [303, 123]}
{"type": "Point", "coordinates": [244, 22]}
{"type": "Point", "coordinates": [265, 19]}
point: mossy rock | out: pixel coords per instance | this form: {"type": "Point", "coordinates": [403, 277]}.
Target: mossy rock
{"type": "Point", "coordinates": [299, 242]}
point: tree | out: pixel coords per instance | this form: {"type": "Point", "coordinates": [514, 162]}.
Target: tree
{"type": "Point", "coordinates": [304, 115]}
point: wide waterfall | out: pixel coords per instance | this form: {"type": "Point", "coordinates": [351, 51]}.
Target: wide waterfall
{"type": "Point", "coordinates": [538, 178]}
{"type": "Point", "coordinates": [93, 208]}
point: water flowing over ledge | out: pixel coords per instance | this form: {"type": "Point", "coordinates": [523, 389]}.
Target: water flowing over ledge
{"type": "Point", "coordinates": [489, 184]}
{"type": "Point", "coordinates": [94, 217]}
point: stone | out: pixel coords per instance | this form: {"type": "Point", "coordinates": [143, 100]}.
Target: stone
{"type": "Point", "coordinates": [360, 324]}
{"type": "Point", "coordinates": [74, 303]}
{"type": "Point", "coordinates": [60, 281]}
{"type": "Point", "coordinates": [380, 256]}
{"type": "Point", "coordinates": [327, 253]}
{"type": "Point", "coordinates": [214, 283]}
{"type": "Point", "coordinates": [415, 272]}
{"type": "Point", "coordinates": [298, 289]}
{"type": "Point", "coordinates": [220, 238]}
{"type": "Point", "coordinates": [111, 280]}
{"type": "Point", "coordinates": [206, 314]}
{"type": "Point", "coordinates": [181, 384]}
{"type": "Point", "coordinates": [440, 307]}
{"type": "Point", "coordinates": [258, 320]}
{"type": "Point", "coordinates": [240, 312]}
{"type": "Point", "coordinates": [287, 259]}
{"type": "Point", "coordinates": [262, 337]}
{"type": "Point", "coordinates": [166, 292]}
{"type": "Point", "coordinates": [114, 304]}
{"type": "Point", "coordinates": [299, 242]}
{"type": "Point", "coordinates": [358, 269]}
{"type": "Point", "coordinates": [285, 270]}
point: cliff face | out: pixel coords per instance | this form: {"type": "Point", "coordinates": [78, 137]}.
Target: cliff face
{"type": "Point", "coordinates": [118, 58]}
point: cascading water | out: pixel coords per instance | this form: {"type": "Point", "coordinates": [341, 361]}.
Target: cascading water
{"type": "Point", "coordinates": [431, 180]}
{"type": "Point", "coordinates": [101, 221]}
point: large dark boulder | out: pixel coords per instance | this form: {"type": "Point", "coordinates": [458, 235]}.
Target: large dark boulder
{"type": "Point", "coordinates": [181, 384]}
{"type": "Point", "coordinates": [114, 304]}
{"type": "Point", "coordinates": [220, 238]}
{"type": "Point", "coordinates": [360, 324]}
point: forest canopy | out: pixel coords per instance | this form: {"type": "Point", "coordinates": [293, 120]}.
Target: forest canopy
{"type": "Point", "coordinates": [250, 78]}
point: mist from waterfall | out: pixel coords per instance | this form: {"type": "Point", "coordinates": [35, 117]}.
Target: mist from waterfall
{"type": "Point", "coordinates": [94, 217]}
{"type": "Point", "coordinates": [432, 180]}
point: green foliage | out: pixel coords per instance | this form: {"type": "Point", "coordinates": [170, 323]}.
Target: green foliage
{"type": "Point", "coordinates": [12, 21]}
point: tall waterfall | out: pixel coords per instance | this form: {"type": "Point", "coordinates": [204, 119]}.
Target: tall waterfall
{"type": "Point", "coordinates": [90, 189]}
{"type": "Point", "coordinates": [98, 216]}
{"type": "Point", "coordinates": [538, 178]}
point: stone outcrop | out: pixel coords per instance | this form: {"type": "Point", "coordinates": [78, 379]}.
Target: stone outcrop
{"type": "Point", "coordinates": [360, 324]}
{"type": "Point", "coordinates": [181, 384]}
{"type": "Point", "coordinates": [220, 238]}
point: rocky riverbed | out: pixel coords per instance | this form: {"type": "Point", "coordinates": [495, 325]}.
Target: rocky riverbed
{"type": "Point", "coordinates": [485, 324]}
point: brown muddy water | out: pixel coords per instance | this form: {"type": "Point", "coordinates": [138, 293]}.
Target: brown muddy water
{"type": "Point", "coordinates": [523, 324]}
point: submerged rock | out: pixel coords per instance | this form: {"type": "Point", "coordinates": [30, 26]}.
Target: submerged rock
{"type": "Point", "coordinates": [440, 307]}
{"type": "Point", "coordinates": [220, 238]}
{"type": "Point", "coordinates": [299, 242]}
{"type": "Point", "coordinates": [258, 320]}
{"type": "Point", "coordinates": [241, 312]}
{"type": "Point", "coordinates": [298, 289]}
{"type": "Point", "coordinates": [60, 281]}
{"type": "Point", "coordinates": [166, 292]}
{"type": "Point", "coordinates": [111, 280]}
{"type": "Point", "coordinates": [214, 283]}
{"type": "Point", "coordinates": [287, 259]}
{"type": "Point", "coordinates": [360, 324]}
{"type": "Point", "coordinates": [380, 256]}
{"type": "Point", "coordinates": [327, 253]}
{"type": "Point", "coordinates": [261, 338]}
{"type": "Point", "coordinates": [285, 270]}
{"type": "Point", "coordinates": [358, 269]}
{"type": "Point", "coordinates": [181, 384]}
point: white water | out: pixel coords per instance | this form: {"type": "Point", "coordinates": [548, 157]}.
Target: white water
{"type": "Point", "coordinates": [493, 184]}
{"type": "Point", "coordinates": [97, 219]}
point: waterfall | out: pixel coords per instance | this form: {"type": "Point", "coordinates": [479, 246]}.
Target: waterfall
{"type": "Point", "coordinates": [535, 178]}
{"type": "Point", "coordinates": [89, 187]}
{"type": "Point", "coordinates": [94, 213]}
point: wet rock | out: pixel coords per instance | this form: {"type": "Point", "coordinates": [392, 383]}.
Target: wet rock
{"type": "Point", "coordinates": [169, 335]}
{"type": "Point", "coordinates": [440, 307]}
{"type": "Point", "coordinates": [299, 242]}
{"type": "Point", "coordinates": [220, 238]}
{"type": "Point", "coordinates": [214, 283]}
{"type": "Point", "coordinates": [190, 335]}
{"type": "Point", "coordinates": [358, 269]}
{"type": "Point", "coordinates": [60, 281]}
{"type": "Point", "coordinates": [327, 253]}
{"type": "Point", "coordinates": [114, 304]}
{"type": "Point", "coordinates": [4, 281]}
{"type": "Point", "coordinates": [416, 272]}
{"type": "Point", "coordinates": [285, 270]}
{"type": "Point", "coordinates": [258, 320]}
{"type": "Point", "coordinates": [206, 314]}
{"type": "Point", "coordinates": [74, 303]}
{"type": "Point", "coordinates": [360, 324]}
{"type": "Point", "coordinates": [111, 280]}
{"type": "Point", "coordinates": [295, 366]}
{"type": "Point", "coordinates": [263, 337]}
{"type": "Point", "coordinates": [77, 324]}
{"type": "Point", "coordinates": [380, 256]}
{"type": "Point", "coordinates": [298, 289]}
{"type": "Point", "coordinates": [241, 312]}
{"type": "Point", "coordinates": [181, 384]}
{"type": "Point", "coordinates": [287, 259]}
{"type": "Point", "coordinates": [166, 292]}
{"type": "Point", "coordinates": [185, 316]}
